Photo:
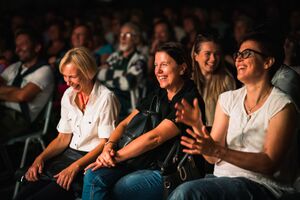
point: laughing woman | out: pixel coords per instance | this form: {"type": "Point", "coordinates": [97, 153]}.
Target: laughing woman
{"type": "Point", "coordinates": [210, 72]}
{"type": "Point", "coordinates": [109, 177]}
{"type": "Point", "coordinates": [253, 139]}
{"type": "Point", "coordinates": [88, 115]}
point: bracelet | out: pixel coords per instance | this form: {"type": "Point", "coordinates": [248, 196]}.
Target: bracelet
{"type": "Point", "coordinates": [109, 141]}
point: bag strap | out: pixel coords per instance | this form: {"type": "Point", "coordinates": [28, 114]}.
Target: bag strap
{"type": "Point", "coordinates": [18, 81]}
{"type": "Point", "coordinates": [170, 154]}
{"type": "Point", "coordinates": [186, 155]}
{"type": "Point", "coordinates": [155, 102]}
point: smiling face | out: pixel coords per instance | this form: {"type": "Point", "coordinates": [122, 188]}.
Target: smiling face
{"type": "Point", "coordinates": [127, 39]}
{"type": "Point", "coordinates": [254, 67]}
{"type": "Point", "coordinates": [25, 48]}
{"type": "Point", "coordinates": [73, 77]}
{"type": "Point", "coordinates": [161, 32]}
{"type": "Point", "coordinates": [208, 58]}
{"type": "Point", "coordinates": [168, 72]}
{"type": "Point", "coordinates": [80, 37]}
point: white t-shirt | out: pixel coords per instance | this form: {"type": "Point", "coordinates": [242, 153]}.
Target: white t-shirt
{"type": "Point", "coordinates": [247, 133]}
{"type": "Point", "coordinates": [98, 120]}
{"type": "Point", "coordinates": [42, 77]}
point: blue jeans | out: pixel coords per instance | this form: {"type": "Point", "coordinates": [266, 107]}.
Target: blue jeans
{"type": "Point", "coordinates": [221, 188]}
{"type": "Point", "coordinates": [120, 182]}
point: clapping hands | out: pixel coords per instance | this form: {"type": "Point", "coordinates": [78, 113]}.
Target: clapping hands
{"type": "Point", "coordinates": [200, 141]}
{"type": "Point", "coordinates": [189, 115]}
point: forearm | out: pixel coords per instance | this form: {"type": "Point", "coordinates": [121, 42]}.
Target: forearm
{"type": "Point", "coordinates": [15, 94]}
{"type": "Point", "coordinates": [90, 156]}
{"type": "Point", "coordinates": [148, 141]}
{"type": "Point", "coordinates": [256, 162]}
{"type": "Point", "coordinates": [7, 93]}
{"type": "Point", "coordinates": [137, 147]}
{"type": "Point", "coordinates": [57, 146]}
{"type": "Point", "coordinates": [117, 133]}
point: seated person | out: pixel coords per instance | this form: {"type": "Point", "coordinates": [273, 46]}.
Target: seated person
{"type": "Point", "coordinates": [288, 81]}
{"type": "Point", "coordinates": [88, 115]}
{"type": "Point", "coordinates": [110, 177]}
{"type": "Point", "coordinates": [210, 73]}
{"type": "Point", "coordinates": [253, 139]}
{"type": "Point", "coordinates": [125, 70]}
{"type": "Point", "coordinates": [25, 86]}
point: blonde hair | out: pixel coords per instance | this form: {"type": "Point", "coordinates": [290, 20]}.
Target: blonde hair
{"type": "Point", "coordinates": [221, 79]}
{"type": "Point", "coordinates": [81, 57]}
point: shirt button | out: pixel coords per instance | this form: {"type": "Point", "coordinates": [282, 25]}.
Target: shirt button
{"type": "Point", "coordinates": [90, 122]}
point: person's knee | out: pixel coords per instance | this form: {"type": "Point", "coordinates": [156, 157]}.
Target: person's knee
{"type": "Point", "coordinates": [95, 179]}
{"type": "Point", "coordinates": [88, 177]}
{"type": "Point", "coordinates": [183, 191]}
{"type": "Point", "coordinates": [124, 185]}
{"type": "Point", "coordinates": [136, 185]}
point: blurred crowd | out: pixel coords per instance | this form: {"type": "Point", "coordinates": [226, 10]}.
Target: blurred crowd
{"type": "Point", "coordinates": [98, 29]}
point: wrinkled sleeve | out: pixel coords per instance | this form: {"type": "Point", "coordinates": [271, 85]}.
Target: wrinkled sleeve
{"type": "Point", "coordinates": [64, 124]}
{"type": "Point", "coordinates": [108, 116]}
{"type": "Point", "coordinates": [225, 101]}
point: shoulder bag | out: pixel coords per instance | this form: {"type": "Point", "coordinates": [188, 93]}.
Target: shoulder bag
{"type": "Point", "coordinates": [178, 168]}
{"type": "Point", "coordinates": [141, 123]}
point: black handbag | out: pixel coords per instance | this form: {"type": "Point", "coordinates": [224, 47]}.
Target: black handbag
{"type": "Point", "coordinates": [141, 123]}
{"type": "Point", "coordinates": [179, 168]}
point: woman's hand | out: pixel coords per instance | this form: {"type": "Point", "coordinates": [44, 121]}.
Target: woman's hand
{"type": "Point", "coordinates": [105, 159]}
{"type": "Point", "coordinates": [66, 176]}
{"type": "Point", "coordinates": [200, 143]}
{"type": "Point", "coordinates": [35, 169]}
{"type": "Point", "coordinates": [189, 115]}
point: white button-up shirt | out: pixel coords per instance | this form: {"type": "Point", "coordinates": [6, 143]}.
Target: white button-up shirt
{"type": "Point", "coordinates": [97, 121]}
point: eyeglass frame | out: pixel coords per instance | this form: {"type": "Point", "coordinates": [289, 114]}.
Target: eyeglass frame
{"type": "Point", "coordinates": [240, 54]}
{"type": "Point", "coordinates": [127, 35]}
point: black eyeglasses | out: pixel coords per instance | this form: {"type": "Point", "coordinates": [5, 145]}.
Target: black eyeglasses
{"type": "Point", "coordinates": [247, 53]}
{"type": "Point", "coordinates": [127, 35]}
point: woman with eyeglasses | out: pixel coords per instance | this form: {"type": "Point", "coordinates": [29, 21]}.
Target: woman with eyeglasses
{"type": "Point", "coordinates": [210, 73]}
{"type": "Point", "coordinates": [253, 139]}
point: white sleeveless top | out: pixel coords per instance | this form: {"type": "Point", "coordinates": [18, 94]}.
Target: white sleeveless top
{"type": "Point", "coordinates": [247, 133]}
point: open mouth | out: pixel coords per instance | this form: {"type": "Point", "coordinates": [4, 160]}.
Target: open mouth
{"type": "Point", "coordinates": [161, 78]}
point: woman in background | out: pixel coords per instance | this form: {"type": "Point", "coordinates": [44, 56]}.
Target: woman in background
{"type": "Point", "coordinates": [210, 73]}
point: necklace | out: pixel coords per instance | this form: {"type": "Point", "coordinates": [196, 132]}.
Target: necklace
{"type": "Point", "coordinates": [83, 100]}
{"type": "Point", "coordinates": [249, 110]}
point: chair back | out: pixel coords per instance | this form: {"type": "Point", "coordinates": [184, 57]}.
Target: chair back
{"type": "Point", "coordinates": [47, 116]}
{"type": "Point", "coordinates": [39, 127]}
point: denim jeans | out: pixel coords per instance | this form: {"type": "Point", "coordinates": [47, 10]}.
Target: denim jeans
{"type": "Point", "coordinates": [120, 182]}
{"type": "Point", "coordinates": [221, 188]}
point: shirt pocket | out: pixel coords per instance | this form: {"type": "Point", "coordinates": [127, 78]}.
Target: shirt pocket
{"type": "Point", "coordinates": [72, 119]}
{"type": "Point", "coordinates": [89, 125]}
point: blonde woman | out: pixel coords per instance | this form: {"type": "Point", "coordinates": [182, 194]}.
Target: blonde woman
{"type": "Point", "coordinates": [209, 73]}
{"type": "Point", "coordinates": [88, 114]}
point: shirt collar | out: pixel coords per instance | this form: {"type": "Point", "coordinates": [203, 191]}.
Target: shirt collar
{"type": "Point", "coordinates": [93, 95]}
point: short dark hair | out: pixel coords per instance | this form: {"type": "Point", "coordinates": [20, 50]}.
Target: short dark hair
{"type": "Point", "coordinates": [177, 51]}
{"type": "Point", "coordinates": [269, 45]}
{"type": "Point", "coordinates": [33, 35]}
{"type": "Point", "coordinates": [172, 36]}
